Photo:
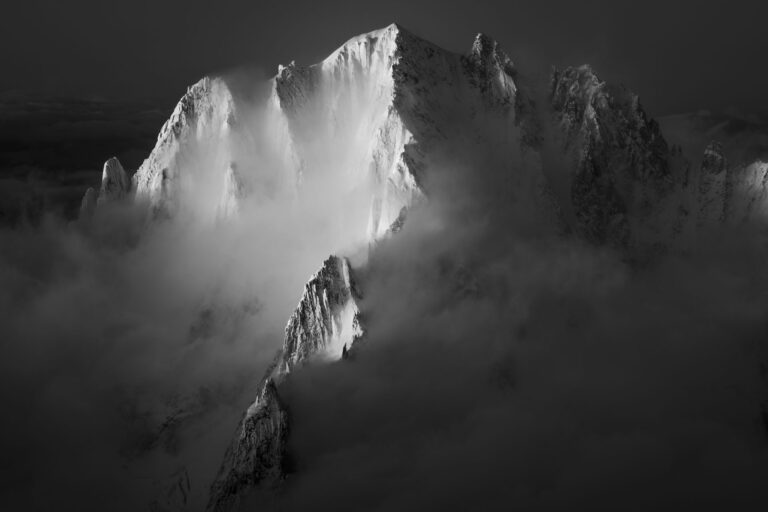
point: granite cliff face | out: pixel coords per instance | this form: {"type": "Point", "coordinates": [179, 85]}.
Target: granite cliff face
{"type": "Point", "coordinates": [386, 102]}
{"type": "Point", "coordinates": [394, 107]}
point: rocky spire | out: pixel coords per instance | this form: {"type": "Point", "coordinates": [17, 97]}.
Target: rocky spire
{"type": "Point", "coordinates": [115, 184]}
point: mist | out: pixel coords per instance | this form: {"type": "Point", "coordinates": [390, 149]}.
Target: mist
{"type": "Point", "coordinates": [505, 361]}
{"type": "Point", "coordinates": [131, 346]}
{"type": "Point", "coordinates": [540, 373]}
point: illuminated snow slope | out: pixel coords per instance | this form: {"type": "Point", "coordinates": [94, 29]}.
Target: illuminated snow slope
{"type": "Point", "coordinates": [366, 127]}
{"type": "Point", "coordinates": [193, 137]}
{"type": "Point", "coordinates": [367, 119]}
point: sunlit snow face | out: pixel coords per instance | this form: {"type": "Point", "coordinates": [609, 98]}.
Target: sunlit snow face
{"type": "Point", "coordinates": [326, 165]}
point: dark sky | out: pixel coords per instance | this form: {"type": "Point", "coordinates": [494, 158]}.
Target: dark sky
{"type": "Point", "coordinates": [679, 55]}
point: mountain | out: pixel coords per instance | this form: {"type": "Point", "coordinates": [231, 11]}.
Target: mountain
{"type": "Point", "coordinates": [324, 325]}
{"type": "Point", "coordinates": [115, 186]}
{"type": "Point", "coordinates": [388, 121]}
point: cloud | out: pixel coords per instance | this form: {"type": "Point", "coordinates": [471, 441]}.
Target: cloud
{"type": "Point", "coordinates": [504, 364]}
{"type": "Point", "coordinates": [98, 348]}
{"type": "Point", "coordinates": [505, 369]}
{"type": "Point", "coordinates": [131, 348]}
{"type": "Point", "coordinates": [67, 140]}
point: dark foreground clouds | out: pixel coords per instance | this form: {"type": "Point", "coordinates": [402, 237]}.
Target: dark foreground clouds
{"type": "Point", "coordinates": [552, 378]}
{"type": "Point", "coordinates": [508, 367]}
{"type": "Point", "coordinates": [129, 350]}
{"type": "Point", "coordinates": [98, 354]}
{"type": "Point", "coordinates": [501, 370]}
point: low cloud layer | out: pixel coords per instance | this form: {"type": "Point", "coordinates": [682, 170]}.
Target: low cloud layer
{"type": "Point", "coordinates": [51, 149]}
{"type": "Point", "coordinates": [544, 376]}
{"type": "Point", "coordinates": [131, 348]}
{"type": "Point", "coordinates": [505, 363]}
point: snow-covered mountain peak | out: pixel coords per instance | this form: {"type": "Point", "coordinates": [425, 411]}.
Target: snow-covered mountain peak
{"type": "Point", "coordinates": [621, 160]}
{"type": "Point", "coordinates": [383, 42]}
{"type": "Point", "coordinates": [491, 69]}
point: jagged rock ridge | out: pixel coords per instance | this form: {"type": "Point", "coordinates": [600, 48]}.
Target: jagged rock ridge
{"type": "Point", "coordinates": [324, 324]}
{"type": "Point", "coordinates": [394, 100]}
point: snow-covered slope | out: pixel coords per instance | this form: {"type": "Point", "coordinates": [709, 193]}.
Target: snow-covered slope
{"type": "Point", "coordinates": [362, 124]}
{"type": "Point", "coordinates": [372, 125]}
{"type": "Point", "coordinates": [196, 131]}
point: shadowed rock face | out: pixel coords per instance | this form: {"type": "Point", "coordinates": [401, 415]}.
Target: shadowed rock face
{"type": "Point", "coordinates": [175, 495]}
{"type": "Point", "coordinates": [391, 101]}
{"type": "Point", "coordinates": [256, 457]}
{"type": "Point", "coordinates": [620, 157]}
{"type": "Point", "coordinates": [203, 114]}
